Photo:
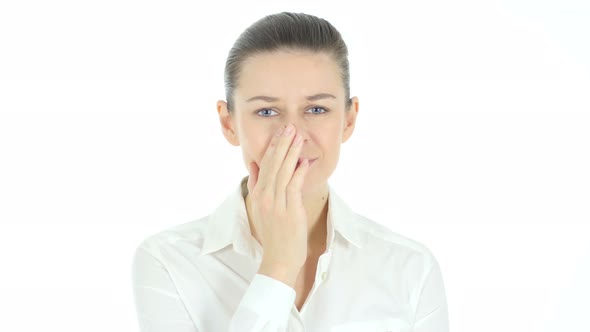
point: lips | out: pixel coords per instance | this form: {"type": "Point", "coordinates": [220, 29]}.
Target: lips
{"type": "Point", "coordinates": [311, 161]}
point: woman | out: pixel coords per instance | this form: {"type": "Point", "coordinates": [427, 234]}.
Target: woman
{"type": "Point", "coordinates": [299, 259]}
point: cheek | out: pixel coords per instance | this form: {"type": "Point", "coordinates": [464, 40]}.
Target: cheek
{"type": "Point", "coordinates": [330, 135]}
{"type": "Point", "coordinates": [256, 144]}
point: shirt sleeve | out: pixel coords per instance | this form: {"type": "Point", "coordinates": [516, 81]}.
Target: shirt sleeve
{"type": "Point", "coordinates": [432, 311]}
{"type": "Point", "coordinates": [265, 306]}
{"type": "Point", "coordinates": [158, 305]}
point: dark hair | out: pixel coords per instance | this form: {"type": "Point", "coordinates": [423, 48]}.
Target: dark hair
{"type": "Point", "coordinates": [291, 31]}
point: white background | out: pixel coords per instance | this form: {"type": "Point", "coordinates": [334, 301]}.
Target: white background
{"type": "Point", "coordinates": [472, 138]}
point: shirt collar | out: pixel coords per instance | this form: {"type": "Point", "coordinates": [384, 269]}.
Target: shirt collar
{"type": "Point", "coordinates": [228, 224]}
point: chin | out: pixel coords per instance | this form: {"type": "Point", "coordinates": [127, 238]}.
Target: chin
{"type": "Point", "coordinates": [312, 183]}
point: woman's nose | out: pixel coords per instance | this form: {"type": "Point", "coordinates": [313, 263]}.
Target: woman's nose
{"type": "Point", "coordinates": [298, 129]}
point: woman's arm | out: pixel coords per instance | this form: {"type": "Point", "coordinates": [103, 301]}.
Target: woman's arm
{"type": "Point", "coordinates": [432, 311]}
{"type": "Point", "coordinates": [159, 307]}
{"type": "Point", "coordinates": [265, 306]}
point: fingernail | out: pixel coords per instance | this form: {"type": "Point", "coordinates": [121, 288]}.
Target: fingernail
{"type": "Point", "coordinates": [289, 129]}
{"type": "Point", "coordinates": [280, 130]}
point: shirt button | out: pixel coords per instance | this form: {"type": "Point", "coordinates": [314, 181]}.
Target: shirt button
{"type": "Point", "coordinates": [323, 275]}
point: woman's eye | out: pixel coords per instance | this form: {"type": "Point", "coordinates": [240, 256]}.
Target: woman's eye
{"type": "Point", "coordinates": [318, 108]}
{"type": "Point", "coordinates": [265, 112]}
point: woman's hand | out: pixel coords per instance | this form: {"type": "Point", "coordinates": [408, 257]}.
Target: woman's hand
{"type": "Point", "coordinates": [278, 215]}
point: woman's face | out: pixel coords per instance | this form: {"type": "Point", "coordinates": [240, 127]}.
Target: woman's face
{"type": "Point", "coordinates": [289, 79]}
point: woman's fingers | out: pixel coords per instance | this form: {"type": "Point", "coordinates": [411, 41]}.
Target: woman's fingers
{"type": "Point", "coordinates": [253, 171]}
{"type": "Point", "coordinates": [285, 174]}
{"type": "Point", "coordinates": [274, 157]}
{"type": "Point", "coordinates": [295, 187]}
{"type": "Point", "coordinates": [267, 158]}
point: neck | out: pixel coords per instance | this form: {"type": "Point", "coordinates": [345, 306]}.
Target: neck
{"type": "Point", "coordinates": [316, 207]}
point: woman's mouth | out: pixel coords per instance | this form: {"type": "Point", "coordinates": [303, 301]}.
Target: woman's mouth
{"type": "Point", "coordinates": [311, 161]}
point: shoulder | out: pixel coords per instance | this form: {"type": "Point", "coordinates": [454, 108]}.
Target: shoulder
{"type": "Point", "coordinates": [185, 238]}
{"type": "Point", "coordinates": [382, 241]}
{"type": "Point", "coordinates": [378, 231]}
{"type": "Point", "coordinates": [374, 237]}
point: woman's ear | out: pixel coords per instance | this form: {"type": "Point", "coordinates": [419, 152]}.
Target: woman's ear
{"type": "Point", "coordinates": [350, 118]}
{"type": "Point", "coordinates": [227, 122]}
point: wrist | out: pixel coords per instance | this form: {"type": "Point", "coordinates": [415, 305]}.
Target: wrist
{"type": "Point", "coordinates": [285, 274]}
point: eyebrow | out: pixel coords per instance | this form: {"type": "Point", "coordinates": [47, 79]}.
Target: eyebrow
{"type": "Point", "coordinates": [309, 98]}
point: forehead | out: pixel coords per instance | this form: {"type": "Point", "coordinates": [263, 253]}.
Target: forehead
{"type": "Point", "coordinates": [289, 73]}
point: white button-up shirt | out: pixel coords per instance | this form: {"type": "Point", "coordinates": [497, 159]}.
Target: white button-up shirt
{"type": "Point", "coordinates": [201, 276]}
